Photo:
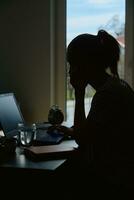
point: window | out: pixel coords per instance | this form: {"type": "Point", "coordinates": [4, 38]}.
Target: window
{"type": "Point", "coordinates": [88, 16]}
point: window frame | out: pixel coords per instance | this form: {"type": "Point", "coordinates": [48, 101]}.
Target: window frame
{"type": "Point", "coordinates": [58, 53]}
{"type": "Point", "coordinates": [129, 43]}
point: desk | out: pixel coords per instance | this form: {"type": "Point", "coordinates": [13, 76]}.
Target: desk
{"type": "Point", "coordinates": [20, 160]}
{"type": "Point", "coordinates": [40, 174]}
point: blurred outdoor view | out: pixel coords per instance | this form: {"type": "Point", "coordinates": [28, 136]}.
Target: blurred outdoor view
{"type": "Point", "coordinates": [88, 16]}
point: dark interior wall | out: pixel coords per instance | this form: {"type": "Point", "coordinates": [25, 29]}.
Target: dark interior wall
{"type": "Point", "coordinates": [25, 54]}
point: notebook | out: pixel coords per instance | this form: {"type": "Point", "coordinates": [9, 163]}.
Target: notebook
{"type": "Point", "coordinates": [11, 115]}
{"type": "Point", "coordinates": [63, 150]}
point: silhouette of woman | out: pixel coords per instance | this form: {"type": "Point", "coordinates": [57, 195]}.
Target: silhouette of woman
{"type": "Point", "coordinates": [105, 136]}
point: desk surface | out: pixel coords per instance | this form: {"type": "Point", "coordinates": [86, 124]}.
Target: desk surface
{"type": "Point", "coordinates": [20, 161]}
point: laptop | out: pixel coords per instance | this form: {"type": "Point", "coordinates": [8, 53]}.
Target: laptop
{"type": "Point", "coordinates": [11, 115]}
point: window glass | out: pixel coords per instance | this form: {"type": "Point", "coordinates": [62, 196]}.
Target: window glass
{"type": "Point", "coordinates": [88, 16]}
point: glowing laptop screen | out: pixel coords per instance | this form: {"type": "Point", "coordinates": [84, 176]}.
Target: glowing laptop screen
{"type": "Point", "coordinates": [10, 114]}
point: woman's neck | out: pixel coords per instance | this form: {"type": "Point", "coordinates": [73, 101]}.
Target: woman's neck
{"type": "Point", "coordinates": [98, 80]}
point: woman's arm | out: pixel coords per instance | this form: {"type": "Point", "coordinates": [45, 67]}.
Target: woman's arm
{"type": "Point", "coordinates": [79, 114]}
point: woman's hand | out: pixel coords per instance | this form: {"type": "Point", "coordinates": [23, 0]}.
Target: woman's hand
{"type": "Point", "coordinates": [77, 79]}
{"type": "Point", "coordinates": [78, 84]}
{"type": "Point", "coordinates": [67, 131]}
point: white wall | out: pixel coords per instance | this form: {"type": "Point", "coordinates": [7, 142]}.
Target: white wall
{"type": "Point", "coordinates": [25, 63]}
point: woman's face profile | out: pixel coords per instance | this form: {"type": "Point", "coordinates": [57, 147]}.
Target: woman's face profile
{"type": "Point", "coordinates": [78, 73]}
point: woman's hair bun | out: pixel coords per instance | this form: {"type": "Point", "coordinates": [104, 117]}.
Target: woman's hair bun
{"type": "Point", "coordinates": [102, 35]}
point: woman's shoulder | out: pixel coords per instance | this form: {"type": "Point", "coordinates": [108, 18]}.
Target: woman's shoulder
{"type": "Point", "coordinates": [114, 90]}
{"type": "Point", "coordinates": [116, 86]}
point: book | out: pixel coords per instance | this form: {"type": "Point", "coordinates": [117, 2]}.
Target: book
{"type": "Point", "coordinates": [58, 151]}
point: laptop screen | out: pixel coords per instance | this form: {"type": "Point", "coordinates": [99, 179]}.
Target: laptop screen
{"type": "Point", "coordinates": [10, 114]}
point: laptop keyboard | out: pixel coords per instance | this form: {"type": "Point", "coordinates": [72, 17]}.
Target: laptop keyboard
{"type": "Point", "coordinates": [45, 138]}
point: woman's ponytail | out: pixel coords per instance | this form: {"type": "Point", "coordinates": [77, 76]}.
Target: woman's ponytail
{"type": "Point", "coordinates": [110, 51]}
